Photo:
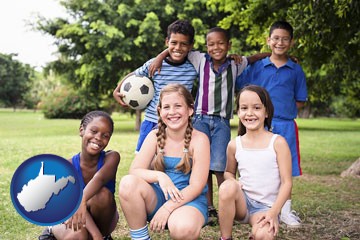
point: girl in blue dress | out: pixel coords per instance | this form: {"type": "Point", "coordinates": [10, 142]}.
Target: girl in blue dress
{"type": "Point", "coordinates": [166, 185]}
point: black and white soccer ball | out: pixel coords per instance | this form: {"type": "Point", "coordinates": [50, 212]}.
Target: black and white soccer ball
{"type": "Point", "coordinates": [138, 91]}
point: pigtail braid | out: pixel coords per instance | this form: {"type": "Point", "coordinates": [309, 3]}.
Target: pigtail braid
{"type": "Point", "coordinates": [185, 164]}
{"type": "Point", "coordinates": [161, 136]}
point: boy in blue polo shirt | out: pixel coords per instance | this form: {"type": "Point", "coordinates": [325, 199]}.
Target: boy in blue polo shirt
{"type": "Point", "coordinates": [285, 81]}
{"type": "Point", "coordinates": [176, 69]}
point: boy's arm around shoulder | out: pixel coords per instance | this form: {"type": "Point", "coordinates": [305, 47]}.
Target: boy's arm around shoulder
{"type": "Point", "coordinates": [258, 56]}
{"type": "Point", "coordinates": [283, 156]}
{"type": "Point", "coordinates": [157, 63]}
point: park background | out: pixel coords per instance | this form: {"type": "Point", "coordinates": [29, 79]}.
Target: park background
{"type": "Point", "coordinates": [99, 42]}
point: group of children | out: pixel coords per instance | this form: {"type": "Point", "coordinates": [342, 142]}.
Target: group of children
{"type": "Point", "coordinates": [184, 141]}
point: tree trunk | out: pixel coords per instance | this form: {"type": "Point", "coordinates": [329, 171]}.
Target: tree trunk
{"type": "Point", "coordinates": [353, 170]}
{"type": "Point", "coordinates": [138, 120]}
{"type": "Point", "coordinates": [305, 112]}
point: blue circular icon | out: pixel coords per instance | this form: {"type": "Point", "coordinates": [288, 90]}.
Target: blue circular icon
{"type": "Point", "coordinates": [46, 190]}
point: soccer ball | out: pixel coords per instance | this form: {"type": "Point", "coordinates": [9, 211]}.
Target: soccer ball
{"type": "Point", "coordinates": [137, 91]}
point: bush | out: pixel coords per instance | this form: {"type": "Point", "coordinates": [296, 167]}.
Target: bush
{"type": "Point", "coordinates": [65, 103]}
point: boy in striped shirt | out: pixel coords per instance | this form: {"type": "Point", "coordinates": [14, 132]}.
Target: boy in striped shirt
{"type": "Point", "coordinates": [176, 69]}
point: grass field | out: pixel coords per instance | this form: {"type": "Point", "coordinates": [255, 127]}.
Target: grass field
{"type": "Point", "coordinates": [328, 204]}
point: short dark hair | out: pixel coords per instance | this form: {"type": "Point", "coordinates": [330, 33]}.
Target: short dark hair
{"type": "Point", "coordinates": [264, 98]}
{"type": "Point", "coordinates": [182, 27]}
{"type": "Point", "coordinates": [221, 30]}
{"type": "Point", "coordinates": [282, 25]}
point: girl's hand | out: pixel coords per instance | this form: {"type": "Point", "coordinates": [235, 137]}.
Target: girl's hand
{"type": "Point", "coordinates": [159, 221]}
{"type": "Point", "coordinates": [270, 218]}
{"type": "Point", "coordinates": [78, 220]}
{"type": "Point", "coordinates": [169, 189]}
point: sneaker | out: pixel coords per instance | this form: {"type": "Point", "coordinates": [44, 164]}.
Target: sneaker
{"type": "Point", "coordinates": [291, 219]}
{"type": "Point", "coordinates": [212, 216]}
{"type": "Point", "coordinates": [47, 234]}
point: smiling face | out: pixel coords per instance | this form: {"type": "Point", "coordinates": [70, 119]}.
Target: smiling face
{"type": "Point", "coordinates": [174, 111]}
{"type": "Point", "coordinates": [96, 135]}
{"type": "Point", "coordinates": [252, 112]}
{"type": "Point", "coordinates": [179, 46]}
{"type": "Point", "coordinates": [217, 46]}
{"type": "Point", "coordinates": [280, 41]}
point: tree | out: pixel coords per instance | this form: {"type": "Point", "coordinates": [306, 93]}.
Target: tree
{"type": "Point", "coordinates": [15, 80]}
{"type": "Point", "coordinates": [102, 41]}
{"type": "Point", "coordinates": [328, 40]}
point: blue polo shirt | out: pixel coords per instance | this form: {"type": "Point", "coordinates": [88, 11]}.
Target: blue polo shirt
{"type": "Point", "coordinates": [286, 85]}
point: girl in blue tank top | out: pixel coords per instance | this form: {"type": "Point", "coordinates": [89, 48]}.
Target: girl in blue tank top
{"type": "Point", "coordinates": [97, 214]}
{"type": "Point", "coordinates": [166, 185]}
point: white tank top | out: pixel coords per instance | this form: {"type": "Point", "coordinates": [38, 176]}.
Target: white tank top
{"type": "Point", "coordinates": [259, 171]}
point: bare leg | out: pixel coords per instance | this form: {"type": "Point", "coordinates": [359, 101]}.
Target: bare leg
{"type": "Point", "coordinates": [185, 222]}
{"type": "Point", "coordinates": [209, 194]}
{"type": "Point", "coordinates": [102, 208]}
{"type": "Point", "coordinates": [231, 204]}
{"type": "Point", "coordinates": [137, 199]}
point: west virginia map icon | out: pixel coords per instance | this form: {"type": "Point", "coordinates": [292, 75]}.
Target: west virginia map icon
{"type": "Point", "coordinates": [46, 190]}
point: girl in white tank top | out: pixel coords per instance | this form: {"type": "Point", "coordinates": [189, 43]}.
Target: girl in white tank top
{"type": "Point", "coordinates": [263, 162]}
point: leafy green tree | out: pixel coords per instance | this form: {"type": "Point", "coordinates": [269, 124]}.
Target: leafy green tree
{"type": "Point", "coordinates": [15, 80]}
{"type": "Point", "coordinates": [328, 40]}
{"type": "Point", "coordinates": [102, 41]}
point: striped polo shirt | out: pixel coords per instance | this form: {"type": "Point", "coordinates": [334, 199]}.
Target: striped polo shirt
{"type": "Point", "coordinates": [215, 95]}
{"type": "Point", "coordinates": [183, 73]}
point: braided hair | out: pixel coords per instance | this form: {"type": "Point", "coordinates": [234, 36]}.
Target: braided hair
{"type": "Point", "coordinates": [185, 163]}
{"type": "Point", "coordinates": [94, 114]}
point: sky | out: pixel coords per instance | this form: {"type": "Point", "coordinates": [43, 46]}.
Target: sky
{"type": "Point", "coordinates": [16, 36]}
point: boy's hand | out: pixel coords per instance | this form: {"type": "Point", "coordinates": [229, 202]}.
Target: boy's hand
{"type": "Point", "coordinates": [155, 66]}
{"type": "Point", "coordinates": [119, 96]}
{"type": "Point", "coordinates": [237, 58]}
{"type": "Point", "coordinates": [294, 59]}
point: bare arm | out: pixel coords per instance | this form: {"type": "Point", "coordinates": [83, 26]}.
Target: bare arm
{"type": "Point", "coordinates": [283, 157]}
{"type": "Point", "coordinates": [258, 56]}
{"type": "Point", "coordinates": [157, 62]}
{"type": "Point", "coordinates": [231, 163]}
{"type": "Point", "coordinates": [300, 105]}
{"type": "Point", "coordinates": [105, 174]}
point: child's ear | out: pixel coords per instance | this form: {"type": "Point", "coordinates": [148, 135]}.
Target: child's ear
{"type": "Point", "coordinates": [81, 131]}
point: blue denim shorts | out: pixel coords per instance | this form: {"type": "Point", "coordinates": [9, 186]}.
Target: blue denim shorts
{"type": "Point", "coordinates": [253, 207]}
{"type": "Point", "coordinates": [199, 203]}
{"type": "Point", "coordinates": [218, 131]}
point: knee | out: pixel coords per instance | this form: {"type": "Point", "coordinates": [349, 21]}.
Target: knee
{"type": "Point", "coordinates": [184, 230]}
{"type": "Point", "coordinates": [127, 187]}
{"type": "Point", "coordinates": [263, 234]}
{"type": "Point", "coordinates": [227, 190]}
{"type": "Point", "coordinates": [103, 197]}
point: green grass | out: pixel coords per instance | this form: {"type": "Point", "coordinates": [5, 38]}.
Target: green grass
{"type": "Point", "coordinates": [328, 204]}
